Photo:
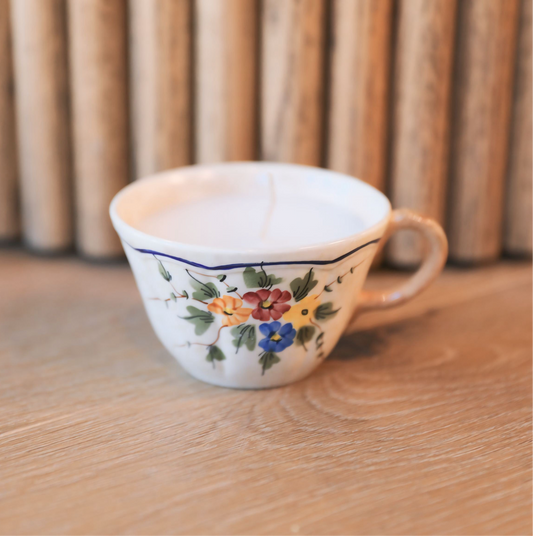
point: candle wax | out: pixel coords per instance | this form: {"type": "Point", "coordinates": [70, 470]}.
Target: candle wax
{"type": "Point", "coordinates": [240, 221]}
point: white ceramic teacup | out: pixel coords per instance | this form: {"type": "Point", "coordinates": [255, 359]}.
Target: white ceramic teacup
{"type": "Point", "coordinates": [249, 317]}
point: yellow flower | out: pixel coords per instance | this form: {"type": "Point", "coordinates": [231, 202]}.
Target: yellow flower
{"type": "Point", "coordinates": [301, 314]}
{"type": "Point", "coordinates": [231, 310]}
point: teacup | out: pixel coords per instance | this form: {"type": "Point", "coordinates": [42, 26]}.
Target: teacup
{"type": "Point", "coordinates": [237, 309]}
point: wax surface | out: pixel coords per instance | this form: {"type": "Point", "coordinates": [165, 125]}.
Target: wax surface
{"type": "Point", "coordinates": [248, 222]}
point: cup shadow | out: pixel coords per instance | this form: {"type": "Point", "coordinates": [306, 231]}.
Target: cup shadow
{"type": "Point", "coordinates": [366, 344]}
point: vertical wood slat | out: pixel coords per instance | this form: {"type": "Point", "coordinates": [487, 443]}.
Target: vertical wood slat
{"type": "Point", "coordinates": [360, 64]}
{"type": "Point", "coordinates": [482, 104]}
{"type": "Point", "coordinates": [292, 80]}
{"type": "Point", "coordinates": [9, 214]}
{"type": "Point", "coordinates": [40, 65]}
{"type": "Point", "coordinates": [100, 116]}
{"type": "Point", "coordinates": [160, 83]}
{"type": "Point", "coordinates": [226, 80]}
{"type": "Point", "coordinates": [519, 189]}
{"type": "Point", "coordinates": [421, 113]}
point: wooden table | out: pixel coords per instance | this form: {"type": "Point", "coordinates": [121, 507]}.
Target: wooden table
{"type": "Point", "coordinates": [419, 423]}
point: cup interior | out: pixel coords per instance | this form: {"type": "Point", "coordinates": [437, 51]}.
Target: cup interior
{"type": "Point", "coordinates": [224, 206]}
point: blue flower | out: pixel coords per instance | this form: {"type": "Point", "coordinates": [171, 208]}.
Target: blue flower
{"type": "Point", "coordinates": [277, 338]}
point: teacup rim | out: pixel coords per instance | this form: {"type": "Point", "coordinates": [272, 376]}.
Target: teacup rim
{"type": "Point", "coordinates": [129, 234]}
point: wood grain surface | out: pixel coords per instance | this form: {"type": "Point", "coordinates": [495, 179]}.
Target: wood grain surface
{"type": "Point", "coordinates": [485, 60]}
{"type": "Point", "coordinates": [518, 225]}
{"type": "Point", "coordinates": [98, 67]}
{"type": "Point", "coordinates": [292, 80]}
{"type": "Point", "coordinates": [418, 423]}
{"type": "Point", "coordinates": [43, 122]}
{"type": "Point", "coordinates": [358, 112]}
{"type": "Point", "coordinates": [9, 198]}
{"type": "Point", "coordinates": [160, 84]}
{"type": "Point", "coordinates": [421, 116]}
{"type": "Point", "coordinates": [226, 80]}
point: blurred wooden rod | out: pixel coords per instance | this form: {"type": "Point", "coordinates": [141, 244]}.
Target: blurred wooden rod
{"type": "Point", "coordinates": [480, 134]}
{"type": "Point", "coordinates": [226, 80]}
{"type": "Point", "coordinates": [421, 113]}
{"type": "Point", "coordinates": [360, 63]}
{"type": "Point", "coordinates": [9, 213]}
{"type": "Point", "coordinates": [40, 65]}
{"type": "Point", "coordinates": [160, 82]}
{"type": "Point", "coordinates": [98, 66]}
{"type": "Point", "coordinates": [518, 214]}
{"type": "Point", "coordinates": [292, 80]}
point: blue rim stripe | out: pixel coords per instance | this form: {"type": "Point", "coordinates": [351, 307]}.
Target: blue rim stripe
{"type": "Point", "coordinates": [253, 264]}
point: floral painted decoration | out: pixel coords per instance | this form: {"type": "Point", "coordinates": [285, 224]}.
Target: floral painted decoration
{"type": "Point", "coordinates": [301, 314]}
{"type": "Point", "coordinates": [288, 318]}
{"type": "Point", "coordinates": [268, 304]}
{"type": "Point", "coordinates": [231, 310]}
{"type": "Point", "coordinates": [277, 337]}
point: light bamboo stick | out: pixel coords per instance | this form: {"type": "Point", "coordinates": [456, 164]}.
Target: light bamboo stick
{"type": "Point", "coordinates": [480, 134]}
{"type": "Point", "coordinates": [360, 65]}
{"type": "Point", "coordinates": [421, 112]}
{"type": "Point", "coordinates": [40, 65]}
{"type": "Point", "coordinates": [226, 80]}
{"type": "Point", "coordinates": [518, 217]}
{"type": "Point", "coordinates": [9, 213]}
{"type": "Point", "coordinates": [160, 39]}
{"type": "Point", "coordinates": [292, 80]}
{"type": "Point", "coordinates": [98, 65]}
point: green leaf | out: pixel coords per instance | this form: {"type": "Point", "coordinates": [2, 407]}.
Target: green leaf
{"type": "Point", "coordinates": [339, 280]}
{"type": "Point", "coordinates": [201, 319]}
{"type": "Point", "coordinates": [251, 277]}
{"type": "Point", "coordinates": [221, 277]}
{"type": "Point", "coordinates": [214, 353]}
{"type": "Point", "coordinates": [244, 335]}
{"type": "Point", "coordinates": [203, 291]}
{"type": "Point", "coordinates": [304, 334]}
{"type": "Point", "coordinates": [185, 293]}
{"type": "Point", "coordinates": [163, 271]}
{"type": "Point", "coordinates": [173, 297]}
{"type": "Point", "coordinates": [327, 289]}
{"type": "Point", "coordinates": [325, 311]}
{"type": "Point", "coordinates": [301, 287]}
{"type": "Point", "coordinates": [267, 360]}
{"type": "Point", "coordinates": [319, 341]}
{"type": "Point", "coordinates": [260, 279]}
{"type": "Point", "coordinates": [231, 289]}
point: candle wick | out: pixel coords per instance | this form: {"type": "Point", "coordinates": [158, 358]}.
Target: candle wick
{"type": "Point", "coordinates": [271, 206]}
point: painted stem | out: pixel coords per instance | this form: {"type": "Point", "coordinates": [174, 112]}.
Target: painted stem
{"type": "Point", "coordinates": [336, 280]}
{"type": "Point", "coordinates": [206, 275]}
{"type": "Point", "coordinates": [316, 326]}
{"type": "Point", "coordinates": [202, 343]}
{"type": "Point", "coordinates": [178, 297]}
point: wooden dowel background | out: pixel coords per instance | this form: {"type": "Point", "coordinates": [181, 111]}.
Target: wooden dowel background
{"type": "Point", "coordinates": [161, 85]}
{"type": "Point", "coordinates": [427, 100]}
{"type": "Point", "coordinates": [292, 80]}
{"type": "Point", "coordinates": [226, 80]}
{"type": "Point", "coordinates": [421, 106]}
{"type": "Point", "coordinates": [485, 61]}
{"type": "Point", "coordinates": [9, 213]}
{"type": "Point", "coordinates": [360, 69]}
{"type": "Point", "coordinates": [519, 192]}
{"type": "Point", "coordinates": [42, 103]}
{"type": "Point", "coordinates": [98, 64]}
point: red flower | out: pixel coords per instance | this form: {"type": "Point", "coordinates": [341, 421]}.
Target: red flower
{"type": "Point", "coordinates": [268, 304]}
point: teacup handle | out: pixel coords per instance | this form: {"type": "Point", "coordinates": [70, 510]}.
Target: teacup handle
{"type": "Point", "coordinates": [429, 269]}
